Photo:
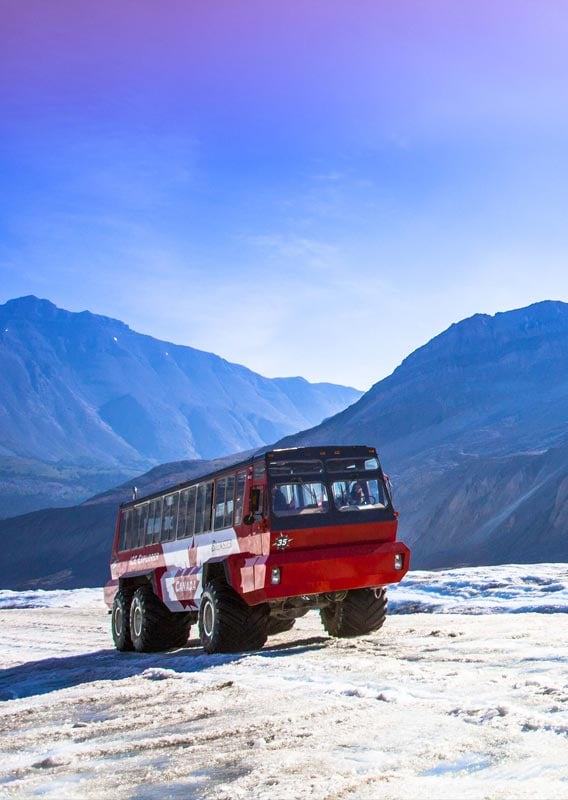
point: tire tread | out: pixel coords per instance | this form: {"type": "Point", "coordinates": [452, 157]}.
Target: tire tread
{"type": "Point", "coordinates": [361, 612]}
{"type": "Point", "coordinates": [238, 627]}
{"type": "Point", "coordinates": [162, 629]}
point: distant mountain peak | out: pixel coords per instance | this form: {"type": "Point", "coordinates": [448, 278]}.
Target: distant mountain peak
{"type": "Point", "coordinates": [515, 319]}
{"type": "Point", "coordinates": [30, 303]}
{"type": "Point", "coordinates": [32, 307]}
{"type": "Point", "coordinates": [486, 333]}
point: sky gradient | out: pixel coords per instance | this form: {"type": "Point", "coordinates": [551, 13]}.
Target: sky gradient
{"type": "Point", "coordinates": [311, 187]}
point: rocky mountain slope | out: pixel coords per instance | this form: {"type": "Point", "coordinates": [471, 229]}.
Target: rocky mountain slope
{"type": "Point", "coordinates": [473, 428]}
{"type": "Point", "coordinates": [86, 402]}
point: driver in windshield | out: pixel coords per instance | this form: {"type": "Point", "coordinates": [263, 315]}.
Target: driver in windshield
{"type": "Point", "coordinates": [358, 495]}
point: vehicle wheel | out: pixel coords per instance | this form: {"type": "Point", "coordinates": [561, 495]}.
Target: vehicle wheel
{"type": "Point", "coordinates": [120, 620]}
{"type": "Point", "coordinates": [153, 626]}
{"type": "Point", "coordinates": [227, 624]}
{"type": "Point", "coordinates": [279, 625]}
{"type": "Point", "coordinates": [361, 612]}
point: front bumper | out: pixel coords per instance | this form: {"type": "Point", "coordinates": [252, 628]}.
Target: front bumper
{"type": "Point", "coordinates": [309, 572]}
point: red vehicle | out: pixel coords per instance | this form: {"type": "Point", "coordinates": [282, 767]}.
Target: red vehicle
{"type": "Point", "coordinates": [246, 550]}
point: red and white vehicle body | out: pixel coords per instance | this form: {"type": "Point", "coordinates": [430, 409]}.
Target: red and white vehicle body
{"type": "Point", "coordinates": [249, 548]}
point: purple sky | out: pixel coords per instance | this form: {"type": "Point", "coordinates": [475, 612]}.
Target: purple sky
{"type": "Point", "coordinates": [268, 180]}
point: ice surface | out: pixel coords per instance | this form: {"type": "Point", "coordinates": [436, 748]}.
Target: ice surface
{"type": "Point", "coordinates": [59, 598]}
{"type": "Point", "coordinates": [508, 589]}
{"type": "Point", "coordinates": [445, 705]}
{"type": "Point", "coordinates": [512, 588]}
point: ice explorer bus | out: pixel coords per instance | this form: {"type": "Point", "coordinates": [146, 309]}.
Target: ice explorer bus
{"type": "Point", "coordinates": [246, 550]}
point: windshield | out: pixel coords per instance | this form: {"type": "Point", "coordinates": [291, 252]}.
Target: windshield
{"type": "Point", "coordinates": [314, 486]}
{"type": "Point", "coordinates": [299, 497]}
{"type": "Point", "coordinates": [358, 494]}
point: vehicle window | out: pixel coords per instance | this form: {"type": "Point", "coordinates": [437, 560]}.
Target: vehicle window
{"type": "Point", "coordinates": [358, 494]}
{"type": "Point", "coordinates": [154, 521]}
{"type": "Point", "coordinates": [219, 513]}
{"type": "Point", "coordinates": [359, 464]}
{"type": "Point", "coordinates": [129, 534]}
{"type": "Point", "coordinates": [224, 502]}
{"type": "Point", "coordinates": [125, 538]}
{"type": "Point", "coordinates": [289, 467]}
{"type": "Point", "coordinates": [259, 469]}
{"type": "Point", "coordinates": [169, 517]}
{"type": "Point", "coordinates": [203, 507]}
{"type": "Point", "coordinates": [191, 503]}
{"type": "Point", "coordinates": [229, 502]}
{"type": "Point", "coordinates": [186, 517]}
{"type": "Point", "coordinates": [122, 534]}
{"type": "Point", "coordinates": [150, 522]}
{"type": "Point", "coordinates": [141, 518]}
{"type": "Point", "coordinates": [239, 499]}
{"type": "Point", "coordinates": [290, 499]}
{"type": "Point", "coordinates": [208, 511]}
{"type": "Point", "coordinates": [158, 520]}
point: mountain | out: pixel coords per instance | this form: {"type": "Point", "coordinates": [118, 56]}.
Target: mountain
{"type": "Point", "coordinates": [85, 402]}
{"type": "Point", "coordinates": [70, 547]}
{"type": "Point", "coordinates": [473, 429]}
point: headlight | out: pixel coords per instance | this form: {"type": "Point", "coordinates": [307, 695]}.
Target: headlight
{"type": "Point", "coordinates": [275, 576]}
{"type": "Point", "coordinates": [399, 561]}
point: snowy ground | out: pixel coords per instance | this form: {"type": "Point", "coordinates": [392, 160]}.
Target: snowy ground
{"type": "Point", "coordinates": [462, 703]}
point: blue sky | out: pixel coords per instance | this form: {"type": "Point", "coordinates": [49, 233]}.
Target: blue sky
{"type": "Point", "coordinates": [311, 188]}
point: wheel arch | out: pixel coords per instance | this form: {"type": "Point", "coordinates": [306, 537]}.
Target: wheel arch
{"type": "Point", "coordinates": [133, 582]}
{"type": "Point", "coordinates": [216, 570]}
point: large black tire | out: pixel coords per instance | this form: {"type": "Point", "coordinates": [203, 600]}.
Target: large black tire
{"type": "Point", "coordinates": [279, 625]}
{"type": "Point", "coordinates": [120, 620]}
{"type": "Point", "coordinates": [363, 611]}
{"type": "Point", "coordinates": [154, 627]}
{"type": "Point", "coordinates": [227, 624]}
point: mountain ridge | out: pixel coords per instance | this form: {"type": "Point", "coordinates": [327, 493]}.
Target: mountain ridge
{"type": "Point", "coordinates": [85, 391]}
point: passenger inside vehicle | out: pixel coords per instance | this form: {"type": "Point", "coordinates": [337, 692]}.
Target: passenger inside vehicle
{"type": "Point", "coordinates": [278, 500]}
